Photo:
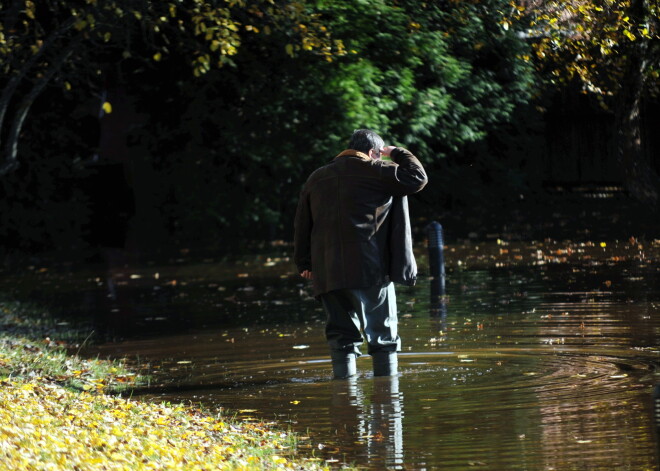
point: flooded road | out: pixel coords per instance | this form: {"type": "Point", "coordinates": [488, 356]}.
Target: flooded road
{"type": "Point", "coordinates": [543, 362]}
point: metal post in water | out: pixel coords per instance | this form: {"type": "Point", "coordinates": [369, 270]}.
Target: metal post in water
{"type": "Point", "coordinates": [436, 247]}
{"type": "Point", "coordinates": [436, 243]}
{"type": "Point", "coordinates": [656, 414]}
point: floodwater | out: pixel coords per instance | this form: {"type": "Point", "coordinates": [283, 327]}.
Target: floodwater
{"type": "Point", "coordinates": [543, 357]}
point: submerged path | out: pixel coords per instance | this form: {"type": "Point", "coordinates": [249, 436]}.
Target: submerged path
{"type": "Point", "coordinates": [543, 358]}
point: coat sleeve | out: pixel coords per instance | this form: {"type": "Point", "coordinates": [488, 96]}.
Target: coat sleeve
{"type": "Point", "coordinates": [408, 176]}
{"type": "Point", "coordinates": [403, 267]}
{"type": "Point", "coordinates": [302, 245]}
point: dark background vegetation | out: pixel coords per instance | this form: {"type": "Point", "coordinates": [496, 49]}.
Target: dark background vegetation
{"type": "Point", "coordinates": [216, 161]}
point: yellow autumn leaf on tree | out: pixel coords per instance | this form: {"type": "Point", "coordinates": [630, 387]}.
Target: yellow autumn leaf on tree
{"type": "Point", "coordinates": [107, 107]}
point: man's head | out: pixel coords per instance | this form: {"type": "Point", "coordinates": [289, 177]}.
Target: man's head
{"type": "Point", "coordinates": [364, 140]}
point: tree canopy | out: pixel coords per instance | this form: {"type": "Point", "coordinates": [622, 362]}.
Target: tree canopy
{"type": "Point", "coordinates": [71, 43]}
{"type": "Point", "coordinates": [235, 102]}
{"type": "Point", "coordinates": [593, 41]}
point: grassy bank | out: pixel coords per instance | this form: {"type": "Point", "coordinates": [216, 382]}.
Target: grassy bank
{"type": "Point", "coordinates": [60, 411]}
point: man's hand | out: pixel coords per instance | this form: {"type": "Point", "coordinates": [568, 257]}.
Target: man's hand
{"type": "Point", "coordinates": [387, 150]}
{"type": "Point", "coordinates": [307, 275]}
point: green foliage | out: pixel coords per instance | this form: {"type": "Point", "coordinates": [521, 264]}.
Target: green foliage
{"type": "Point", "coordinates": [432, 76]}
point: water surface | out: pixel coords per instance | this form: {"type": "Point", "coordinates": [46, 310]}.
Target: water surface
{"type": "Point", "coordinates": [543, 357]}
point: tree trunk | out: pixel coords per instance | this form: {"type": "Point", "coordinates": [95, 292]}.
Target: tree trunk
{"type": "Point", "coordinates": [640, 179]}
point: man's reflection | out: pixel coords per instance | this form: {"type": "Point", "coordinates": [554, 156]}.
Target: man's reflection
{"type": "Point", "coordinates": [375, 420]}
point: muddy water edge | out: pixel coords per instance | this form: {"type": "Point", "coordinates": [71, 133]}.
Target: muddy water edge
{"type": "Point", "coordinates": [544, 356]}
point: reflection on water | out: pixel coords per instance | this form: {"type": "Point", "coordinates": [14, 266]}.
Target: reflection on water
{"type": "Point", "coordinates": [537, 367]}
{"type": "Point", "coordinates": [374, 421]}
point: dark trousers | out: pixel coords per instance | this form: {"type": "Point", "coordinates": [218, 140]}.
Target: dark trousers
{"type": "Point", "coordinates": [354, 312]}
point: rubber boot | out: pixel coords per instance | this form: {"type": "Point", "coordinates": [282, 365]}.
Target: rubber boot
{"type": "Point", "coordinates": [385, 363]}
{"type": "Point", "coordinates": [343, 364]}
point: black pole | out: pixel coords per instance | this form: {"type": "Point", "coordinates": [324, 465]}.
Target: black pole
{"type": "Point", "coordinates": [656, 415]}
{"type": "Point", "coordinates": [436, 247]}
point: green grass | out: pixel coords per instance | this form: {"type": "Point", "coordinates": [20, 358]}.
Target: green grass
{"type": "Point", "coordinates": [29, 348]}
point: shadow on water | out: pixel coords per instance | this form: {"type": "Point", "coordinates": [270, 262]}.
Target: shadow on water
{"type": "Point", "coordinates": [533, 366]}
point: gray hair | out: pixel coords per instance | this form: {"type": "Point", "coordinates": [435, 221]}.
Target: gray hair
{"type": "Point", "coordinates": [364, 140]}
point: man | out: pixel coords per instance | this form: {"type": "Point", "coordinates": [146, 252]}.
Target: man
{"type": "Point", "coordinates": [352, 238]}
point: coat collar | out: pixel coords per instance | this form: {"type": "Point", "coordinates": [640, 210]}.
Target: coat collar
{"type": "Point", "coordinates": [354, 153]}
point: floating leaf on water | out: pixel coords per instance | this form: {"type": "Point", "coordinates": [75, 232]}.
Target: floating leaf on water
{"type": "Point", "coordinates": [295, 403]}
{"type": "Point", "coordinates": [183, 362]}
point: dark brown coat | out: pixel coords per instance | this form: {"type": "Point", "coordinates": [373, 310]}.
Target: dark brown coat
{"type": "Point", "coordinates": [352, 228]}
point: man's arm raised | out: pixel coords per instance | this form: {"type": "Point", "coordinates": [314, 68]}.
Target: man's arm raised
{"type": "Point", "coordinates": [408, 176]}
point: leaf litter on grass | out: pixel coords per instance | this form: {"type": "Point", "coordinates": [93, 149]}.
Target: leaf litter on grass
{"type": "Point", "coordinates": [46, 426]}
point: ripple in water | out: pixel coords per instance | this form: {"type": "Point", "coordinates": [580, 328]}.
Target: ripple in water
{"type": "Point", "coordinates": [525, 370]}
